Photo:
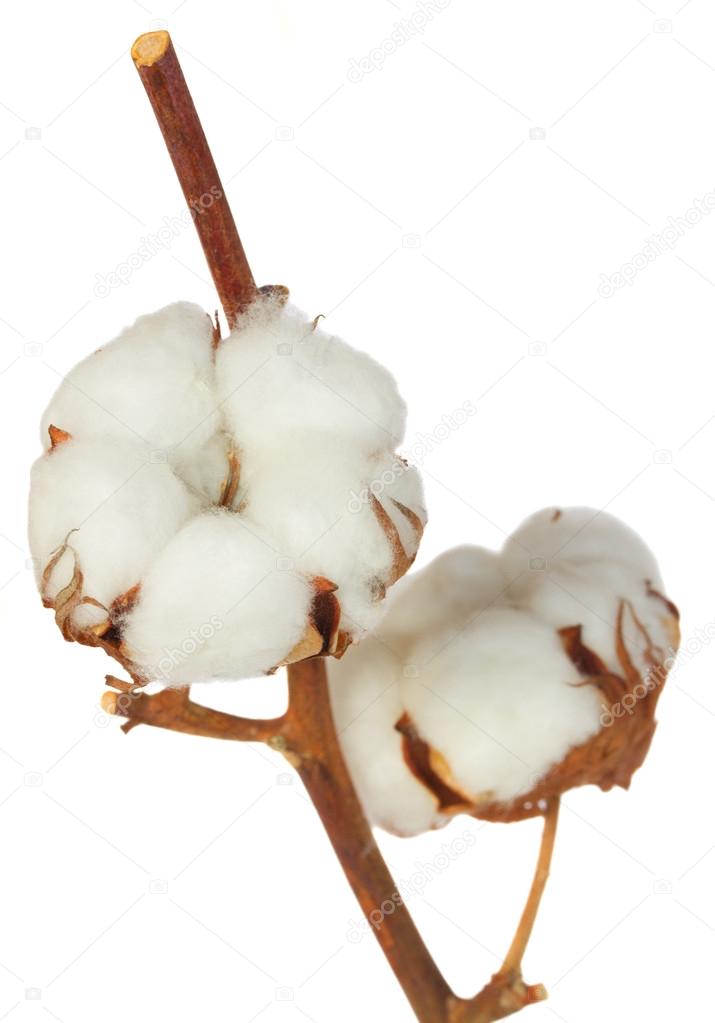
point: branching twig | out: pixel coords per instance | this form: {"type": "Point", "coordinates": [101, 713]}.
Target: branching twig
{"type": "Point", "coordinates": [173, 709]}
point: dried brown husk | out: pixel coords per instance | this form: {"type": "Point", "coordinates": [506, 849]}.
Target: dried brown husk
{"type": "Point", "coordinates": [608, 758]}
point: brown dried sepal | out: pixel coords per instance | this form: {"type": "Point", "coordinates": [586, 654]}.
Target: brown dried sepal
{"type": "Point", "coordinates": [401, 561]}
{"type": "Point", "coordinates": [430, 767]}
{"type": "Point", "coordinates": [608, 758]}
{"type": "Point", "coordinates": [57, 436]}
{"type": "Point", "coordinates": [229, 485]}
{"type": "Point", "coordinates": [322, 636]}
{"type": "Point", "coordinates": [105, 634]}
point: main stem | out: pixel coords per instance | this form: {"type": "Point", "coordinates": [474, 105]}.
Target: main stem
{"type": "Point", "coordinates": [310, 733]}
{"type": "Point", "coordinates": [159, 69]}
{"type": "Point", "coordinates": [308, 737]}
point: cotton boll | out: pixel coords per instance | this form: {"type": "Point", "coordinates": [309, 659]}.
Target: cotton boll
{"type": "Point", "coordinates": [501, 702]}
{"type": "Point", "coordinates": [152, 385]}
{"type": "Point", "coordinates": [119, 509]}
{"type": "Point", "coordinates": [366, 704]}
{"type": "Point", "coordinates": [499, 692]}
{"type": "Point", "coordinates": [216, 603]}
{"type": "Point", "coordinates": [278, 373]}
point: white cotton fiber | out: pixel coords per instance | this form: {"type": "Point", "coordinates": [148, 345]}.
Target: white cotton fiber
{"type": "Point", "coordinates": [469, 649]}
{"type": "Point", "coordinates": [577, 535]}
{"type": "Point", "coordinates": [216, 603]}
{"type": "Point", "coordinates": [277, 374]}
{"type": "Point", "coordinates": [502, 702]}
{"type": "Point", "coordinates": [152, 385]}
{"type": "Point", "coordinates": [115, 509]}
{"type": "Point", "coordinates": [315, 501]}
{"type": "Point", "coordinates": [440, 600]}
{"type": "Point", "coordinates": [366, 702]}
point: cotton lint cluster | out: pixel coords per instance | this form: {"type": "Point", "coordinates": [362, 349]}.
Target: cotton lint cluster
{"type": "Point", "coordinates": [215, 510]}
{"type": "Point", "coordinates": [495, 681]}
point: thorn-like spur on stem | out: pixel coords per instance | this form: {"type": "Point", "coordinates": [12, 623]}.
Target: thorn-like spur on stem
{"type": "Point", "coordinates": [173, 709]}
{"type": "Point", "coordinates": [160, 71]}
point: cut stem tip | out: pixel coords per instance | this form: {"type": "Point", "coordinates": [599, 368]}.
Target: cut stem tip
{"type": "Point", "coordinates": [150, 47]}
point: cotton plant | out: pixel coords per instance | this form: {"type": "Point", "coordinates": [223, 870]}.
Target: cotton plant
{"type": "Point", "coordinates": [215, 507]}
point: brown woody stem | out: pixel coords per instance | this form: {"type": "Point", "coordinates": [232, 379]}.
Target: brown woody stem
{"type": "Point", "coordinates": [174, 710]}
{"type": "Point", "coordinates": [306, 734]}
{"type": "Point", "coordinates": [313, 749]}
{"type": "Point", "coordinates": [163, 79]}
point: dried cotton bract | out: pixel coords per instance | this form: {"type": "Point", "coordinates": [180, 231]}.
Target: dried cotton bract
{"type": "Point", "coordinates": [207, 512]}
{"type": "Point", "coordinates": [495, 682]}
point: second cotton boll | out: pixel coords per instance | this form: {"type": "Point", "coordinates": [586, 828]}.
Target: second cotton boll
{"type": "Point", "coordinates": [246, 494]}
{"type": "Point", "coordinates": [487, 690]}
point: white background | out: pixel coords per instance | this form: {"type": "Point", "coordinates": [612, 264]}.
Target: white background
{"type": "Point", "coordinates": [159, 876]}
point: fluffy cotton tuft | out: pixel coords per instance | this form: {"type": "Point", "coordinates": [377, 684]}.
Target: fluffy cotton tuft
{"type": "Point", "coordinates": [193, 483]}
{"type": "Point", "coordinates": [469, 659]}
{"type": "Point", "coordinates": [115, 510]}
{"type": "Point", "coordinates": [152, 385]}
{"type": "Point", "coordinates": [278, 373]}
{"type": "Point", "coordinates": [216, 604]}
